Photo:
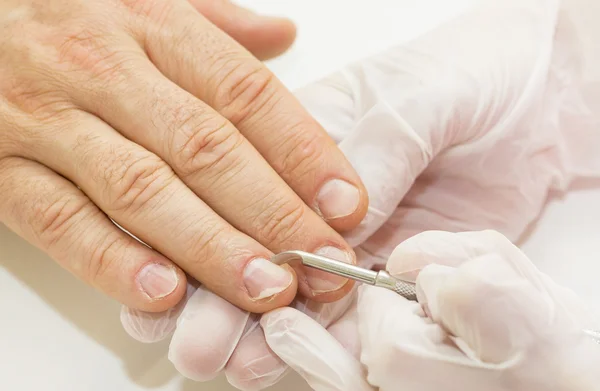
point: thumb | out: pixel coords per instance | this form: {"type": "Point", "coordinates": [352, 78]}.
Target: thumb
{"type": "Point", "coordinates": [264, 36]}
{"type": "Point", "coordinates": [309, 349]}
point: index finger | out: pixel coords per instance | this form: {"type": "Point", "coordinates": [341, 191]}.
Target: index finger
{"type": "Point", "coordinates": [206, 62]}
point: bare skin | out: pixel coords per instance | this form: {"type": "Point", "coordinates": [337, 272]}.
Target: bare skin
{"type": "Point", "coordinates": [159, 116]}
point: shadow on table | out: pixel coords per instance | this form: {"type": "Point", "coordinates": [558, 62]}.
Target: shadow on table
{"type": "Point", "coordinates": [94, 314]}
{"type": "Point", "coordinates": [291, 382]}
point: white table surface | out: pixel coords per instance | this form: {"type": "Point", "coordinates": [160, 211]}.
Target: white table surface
{"type": "Point", "coordinates": [58, 334]}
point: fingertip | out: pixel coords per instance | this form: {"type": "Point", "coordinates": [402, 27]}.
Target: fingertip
{"type": "Point", "coordinates": [159, 286]}
{"type": "Point", "coordinates": [267, 37]}
{"type": "Point", "coordinates": [324, 287]}
{"type": "Point", "coordinates": [267, 300]}
{"type": "Point", "coordinates": [307, 347]}
{"type": "Point", "coordinates": [147, 327]}
{"type": "Point", "coordinates": [332, 296]}
{"type": "Point", "coordinates": [253, 365]}
{"type": "Point", "coordinates": [343, 204]}
{"type": "Point", "coordinates": [264, 36]}
{"type": "Point", "coordinates": [208, 331]}
{"type": "Point", "coordinates": [151, 327]}
{"type": "Point", "coordinates": [410, 257]}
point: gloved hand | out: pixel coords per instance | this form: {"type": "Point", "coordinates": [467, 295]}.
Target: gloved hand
{"type": "Point", "coordinates": [487, 319]}
{"type": "Point", "coordinates": [466, 128]}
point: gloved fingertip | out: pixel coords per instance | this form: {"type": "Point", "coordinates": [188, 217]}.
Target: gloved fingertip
{"type": "Point", "coordinates": [252, 365]}
{"type": "Point", "coordinates": [410, 257]}
{"type": "Point", "coordinates": [429, 282]}
{"type": "Point", "coordinates": [253, 382]}
{"type": "Point", "coordinates": [309, 349]}
{"type": "Point", "coordinates": [274, 318]}
{"type": "Point", "coordinates": [207, 333]}
{"type": "Point", "coordinates": [147, 327]}
{"type": "Point", "coordinates": [195, 363]}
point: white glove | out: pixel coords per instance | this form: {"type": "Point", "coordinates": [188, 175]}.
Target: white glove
{"type": "Point", "coordinates": [490, 112]}
{"type": "Point", "coordinates": [491, 322]}
{"type": "Point", "coordinates": [210, 335]}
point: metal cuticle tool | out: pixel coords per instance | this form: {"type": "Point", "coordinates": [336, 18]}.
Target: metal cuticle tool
{"type": "Point", "coordinates": [376, 278]}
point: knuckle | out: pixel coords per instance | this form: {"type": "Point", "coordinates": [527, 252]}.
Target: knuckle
{"type": "Point", "coordinates": [207, 143]}
{"type": "Point", "coordinates": [208, 244]}
{"type": "Point", "coordinates": [285, 221]}
{"type": "Point", "coordinates": [29, 79]}
{"type": "Point", "coordinates": [137, 182]}
{"type": "Point", "coordinates": [102, 260]}
{"type": "Point", "coordinates": [11, 142]}
{"type": "Point", "coordinates": [33, 96]}
{"type": "Point", "coordinates": [243, 90]}
{"type": "Point", "coordinates": [55, 219]}
{"type": "Point", "coordinates": [90, 49]}
{"type": "Point", "coordinates": [301, 154]}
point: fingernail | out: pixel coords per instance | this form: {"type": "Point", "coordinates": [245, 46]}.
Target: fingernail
{"type": "Point", "coordinates": [157, 280]}
{"type": "Point", "coordinates": [264, 279]}
{"type": "Point", "coordinates": [322, 282]}
{"type": "Point", "coordinates": [337, 199]}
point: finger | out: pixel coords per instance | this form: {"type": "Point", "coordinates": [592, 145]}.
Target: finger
{"type": "Point", "coordinates": [264, 36]}
{"type": "Point", "coordinates": [213, 159]}
{"type": "Point", "coordinates": [345, 331]}
{"type": "Point", "coordinates": [51, 213]}
{"type": "Point", "coordinates": [388, 176]}
{"type": "Point", "coordinates": [207, 332]}
{"type": "Point", "coordinates": [446, 248]}
{"type": "Point", "coordinates": [310, 350]}
{"type": "Point", "coordinates": [151, 327]}
{"type": "Point", "coordinates": [142, 194]}
{"type": "Point", "coordinates": [387, 152]}
{"type": "Point", "coordinates": [400, 345]}
{"type": "Point", "coordinates": [239, 87]}
{"type": "Point", "coordinates": [253, 365]}
{"type": "Point", "coordinates": [475, 301]}
{"type": "Point", "coordinates": [484, 281]}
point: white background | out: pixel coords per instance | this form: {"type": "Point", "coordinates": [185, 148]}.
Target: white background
{"type": "Point", "coordinates": [58, 334]}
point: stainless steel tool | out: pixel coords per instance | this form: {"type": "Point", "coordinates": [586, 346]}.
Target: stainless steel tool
{"type": "Point", "coordinates": [356, 273]}
{"type": "Point", "coordinates": [380, 278]}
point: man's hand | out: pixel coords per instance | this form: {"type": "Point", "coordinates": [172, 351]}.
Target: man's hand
{"type": "Point", "coordinates": [145, 113]}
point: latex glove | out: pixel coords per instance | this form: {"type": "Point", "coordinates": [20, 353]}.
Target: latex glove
{"type": "Point", "coordinates": [211, 336]}
{"type": "Point", "coordinates": [490, 109]}
{"type": "Point", "coordinates": [472, 123]}
{"type": "Point", "coordinates": [487, 319]}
